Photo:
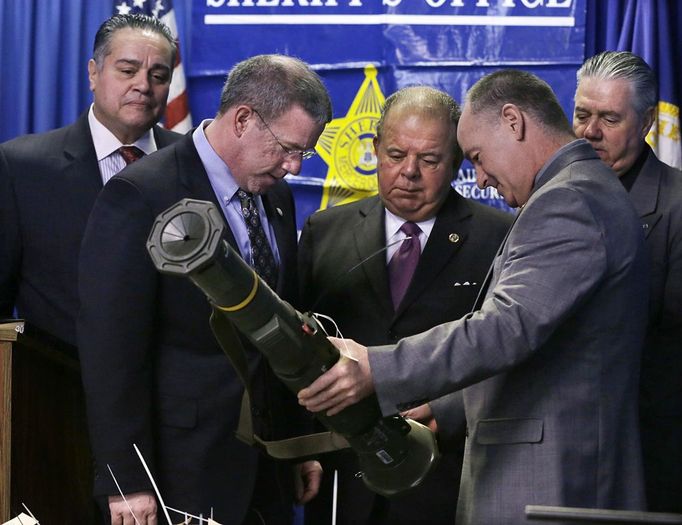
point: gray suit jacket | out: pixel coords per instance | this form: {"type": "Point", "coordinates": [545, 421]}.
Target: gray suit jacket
{"type": "Point", "coordinates": [657, 196]}
{"type": "Point", "coordinates": [550, 363]}
{"type": "Point", "coordinates": [463, 242]}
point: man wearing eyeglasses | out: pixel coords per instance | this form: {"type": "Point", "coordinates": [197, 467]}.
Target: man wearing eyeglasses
{"type": "Point", "coordinates": [153, 373]}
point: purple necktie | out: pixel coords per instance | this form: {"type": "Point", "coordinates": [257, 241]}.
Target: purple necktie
{"type": "Point", "coordinates": [130, 153]}
{"type": "Point", "coordinates": [403, 263]}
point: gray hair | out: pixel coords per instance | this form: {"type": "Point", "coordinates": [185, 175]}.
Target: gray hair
{"type": "Point", "coordinates": [272, 84]}
{"type": "Point", "coordinates": [105, 33]}
{"type": "Point", "coordinates": [426, 101]}
{"type": "Point", "coordinates": [528, 92]}
{"type": "Point", "coordinates": [611, 65]}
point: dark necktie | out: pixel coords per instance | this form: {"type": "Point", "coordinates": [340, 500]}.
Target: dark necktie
{"type": "Point", "coordinates": [130, 153]}
{"type": "Point", "coordinates": [403, 263]}
{"type": "Point", "coordinates": [261, 253]}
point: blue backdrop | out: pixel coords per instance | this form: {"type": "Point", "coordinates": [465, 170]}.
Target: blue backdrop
{"type": "Point", "coordinates": [44, 48]}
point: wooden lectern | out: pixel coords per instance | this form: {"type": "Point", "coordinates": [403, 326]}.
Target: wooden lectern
{"type": "Point", "coordinates": [45, 459]}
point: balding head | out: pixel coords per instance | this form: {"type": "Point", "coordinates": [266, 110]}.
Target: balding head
{"type": "Point", "coordinates": [417, 151]}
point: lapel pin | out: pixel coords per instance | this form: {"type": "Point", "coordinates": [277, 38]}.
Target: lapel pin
{"type": "Point", "coordinates": [453, 238]}
{"type": "Point", "coordinates": [280, 212]}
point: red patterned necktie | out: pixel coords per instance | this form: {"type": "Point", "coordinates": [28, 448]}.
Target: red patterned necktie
{"type": "Point", "coordinates": [403, 263]}
{"type": "Point", "coordinates": [130, 153]}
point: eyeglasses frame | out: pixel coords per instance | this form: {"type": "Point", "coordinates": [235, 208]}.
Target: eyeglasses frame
{"type": "Point", "coordinates": [303, 154]}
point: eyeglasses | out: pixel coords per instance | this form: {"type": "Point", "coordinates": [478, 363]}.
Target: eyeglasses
{"type": "Point", "coordinates": [303, 154]}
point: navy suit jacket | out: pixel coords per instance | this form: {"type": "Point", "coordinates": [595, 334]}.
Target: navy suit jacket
{"type": "Point", "coordinates": [153, 373]}
{"type": "Point", "coordinates": [48, 184]}
{"type": "Point", "coordinates": [451, 269]}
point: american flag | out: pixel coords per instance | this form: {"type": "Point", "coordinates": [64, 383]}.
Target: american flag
{"type": "Point", "coordinates": [178, 117]}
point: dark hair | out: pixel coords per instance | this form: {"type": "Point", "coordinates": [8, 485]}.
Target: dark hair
{"type": "Point", "coordinates": [102, 46]}
{"type": "Point", "coordinates": [611, 65]}
{"type": "Point", "coordinates": [272, 84]}
{"type": "Point", "coordinates": [426, 101]}
{"type": "Point", "coordinates": [523, 89]}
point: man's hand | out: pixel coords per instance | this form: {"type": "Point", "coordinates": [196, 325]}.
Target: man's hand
{"type": "Point", "coordinates": [142, 503]}
{"type": "Point", "coordinates": [423, 415]}
{"type": "Point", "coordinates": [346, 383]}
{"type": "Point", "coordinates": [307, 479]}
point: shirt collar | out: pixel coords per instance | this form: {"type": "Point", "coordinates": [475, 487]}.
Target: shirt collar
{"type": "Point", "coordinates": [106, 142]}
{"type": "Point", "coordinates": [393, 224]}
{"type": "Point", "coordinates": [218, 172]}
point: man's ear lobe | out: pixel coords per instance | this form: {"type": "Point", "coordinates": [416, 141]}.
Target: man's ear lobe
{"type": "Point", "coordinates": [648, 121]}
{"type": "Point", "coordinates": [241, 117]}
{"type": "Point", "coordinates": [92, 74]}
{"type": "Point", "coordinates": [513, 119]}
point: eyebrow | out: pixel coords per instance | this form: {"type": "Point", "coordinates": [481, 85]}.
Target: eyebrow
{"type": "Point", "coordinates": [138, 63]}
{"type": "Point", "coordinates": [292, 146]}
{"type": "Point", "coordinates": [585, 110]}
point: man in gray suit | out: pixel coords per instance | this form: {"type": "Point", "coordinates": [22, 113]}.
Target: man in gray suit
{"type": "Point", "coordinates": [548, 365]}
{"type": "Point", "coordinates": [615, 106]}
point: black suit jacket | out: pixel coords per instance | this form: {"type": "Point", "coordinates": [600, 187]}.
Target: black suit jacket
{"type": "Point", "coordinates": [451, 269]}
{"type": "Point", "coordinates": [48, 184]}
{"type": "Point", "coordinates": [153, 372]}
{"type": "Point", "coordinates": [657, 196]}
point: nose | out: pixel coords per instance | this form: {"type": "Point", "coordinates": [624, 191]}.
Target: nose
{"type": "Point", "coordinates": [482, 179]}
{"type": "Point", "coordinates": [142, 82]}
{"type": "Point", "coordinates": [292, 163]}
{"type": "Point", "coordinates": [592, 130]}
{"type": "Point", "coordinates": [410, 167]}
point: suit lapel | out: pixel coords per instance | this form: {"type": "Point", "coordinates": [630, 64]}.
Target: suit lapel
{"type": "Point", "coordinates": [195, 181]}
{"type": "Point", "coordinates": [276, 211]}
{"type": "Point", "coordinates": [449, 234]}
{"type": "Point", "coordinates": [644, 192]}
{"type": "Point", "coordinates": [369, 237]}
{"type": "Point", "coordinates": [483, 291]}
{"type": "Point", "coordinates": [81, 171]}
{"type": "Point", "coordinates": [164, 137]}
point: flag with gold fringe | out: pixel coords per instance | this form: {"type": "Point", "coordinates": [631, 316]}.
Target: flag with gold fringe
{"type": "Point", "coordinates": [647, 32]}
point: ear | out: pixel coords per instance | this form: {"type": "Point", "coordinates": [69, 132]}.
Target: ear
{"type": "Point", "coordinates": [242, 119]}
{"type": "Point", "coordinates": [92, 74]}
{"type": "Point", "coordinates": [513, 120]}
{"type": "Point", "coordinates": [375, 143]}
{"type": "Point", "coordinates": [648, 121]}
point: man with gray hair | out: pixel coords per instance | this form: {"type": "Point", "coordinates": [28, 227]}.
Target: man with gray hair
{"type": "Point", "coordinates": [547, 363]}
{"type": "Point", "coordinates": [615, 107]}
{"type": "Point", "coordinates": [154, 375]}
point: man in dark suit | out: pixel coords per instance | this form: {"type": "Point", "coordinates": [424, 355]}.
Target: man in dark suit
{"type": "Point", "coordinates": [49, 182]}
{"type": "Point", "coordinates": [615, 107]}
{"type": "Point", "coordinates": [417, 158]}
{"type": "Point", "coordinates": [153, 373]}
{"type": "Point", "coordinates": [548, 365]}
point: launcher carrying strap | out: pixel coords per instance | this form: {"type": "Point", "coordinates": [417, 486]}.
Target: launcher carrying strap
{"type": "Point", "coordinates": [291, 448]}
